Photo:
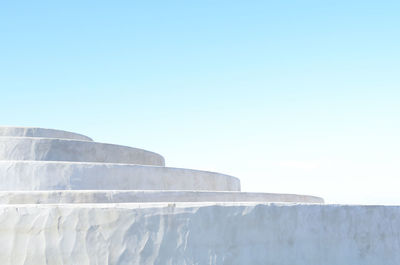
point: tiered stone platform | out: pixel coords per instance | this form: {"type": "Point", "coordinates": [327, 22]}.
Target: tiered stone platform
{"type": "Point", "coordinates": [65, 199]}
{"type": "Point", "coordinates": [36, 159]}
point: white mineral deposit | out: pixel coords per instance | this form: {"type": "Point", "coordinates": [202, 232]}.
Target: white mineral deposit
{"type": "Point", "coordinates": [65, 199]}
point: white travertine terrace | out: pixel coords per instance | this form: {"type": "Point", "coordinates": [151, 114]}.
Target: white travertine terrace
{"type": "Point", "coordinates": [140, 196]}
{"type": "Point", "coordinates": [199, 233]}
{"type": "Point", "coordinates": [51, 149]}
{"type": "Point", "coordinates": [41, 132]}
{"type": "Point", "coordinates": [65, 199]}
{"type": "Point", "coordinates": [43, 175]}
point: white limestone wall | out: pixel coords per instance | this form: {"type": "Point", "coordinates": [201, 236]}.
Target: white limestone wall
{"type": "Point", "coordinates": [145, 196]}
{"type": "Point", "coordinates": [49, 149]}
{"type": "Point", "coordinates": [40, 132]}
{"type": "Point", "coordinates": [65, 199]}
{"type": "Point", "coordinates": [204, 233]}
{"type": "Point", "coordinates": [37, 159]}
{"type": "Point", "coordinates": [43, 175]}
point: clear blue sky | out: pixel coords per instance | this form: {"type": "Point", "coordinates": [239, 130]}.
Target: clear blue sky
{"type": "Point", "coordinates": [289, 96]}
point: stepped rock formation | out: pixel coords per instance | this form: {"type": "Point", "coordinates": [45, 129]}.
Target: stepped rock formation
{"type": "Point", "coordinates": [65, 199]}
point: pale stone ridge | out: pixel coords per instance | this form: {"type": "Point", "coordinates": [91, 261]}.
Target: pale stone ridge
{"type": "Point", "coordinates": [13, 131]}
{"type": "Point", "coordinates": [44, 175]}
{"type": "Point", "coordinates": [144, 196]}
{"type": "Point", "coordinates": [50, 149]}
{"type": "Point", "coordinates": [65, 199]}
{"type": "Point", "coordinates": [208, 233]}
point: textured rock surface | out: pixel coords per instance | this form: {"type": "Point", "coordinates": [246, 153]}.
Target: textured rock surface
{"type": "Point", "coordinates": [73, 203]}
{"type": "Point", "coordinates": [187, 233]}
{"type": "Point", "coordinates": [124, 196]}
{"type": "Point", "coordinates": [49, 149]}
{"type": "Point", "coordinates": [40, 175]}
{"type": "Point", "coordinates": [41, 132]}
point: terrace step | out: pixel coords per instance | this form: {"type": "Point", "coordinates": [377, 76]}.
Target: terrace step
{"type": "Point", "coordinates": [51, 149]}
{"type": "Point", "coordinates": [14, 131]}
{"type": "Point", "coordinates": [45, 175]}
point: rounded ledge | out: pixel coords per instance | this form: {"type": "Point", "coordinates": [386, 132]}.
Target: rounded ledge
{"type": "Point", "coordinates": [20, 131]}
{"type": "Point", "coordinates": [52, 149]}
{"type": "Point", "coordinates": [45, 175]}
{"type": "Point", "coordinates": [146, 196]}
